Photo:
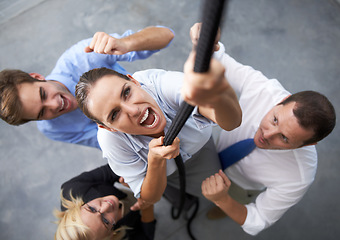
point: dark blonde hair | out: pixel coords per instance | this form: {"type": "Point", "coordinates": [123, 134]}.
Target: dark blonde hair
{"type": "Point", "coordinates": [70, 225]}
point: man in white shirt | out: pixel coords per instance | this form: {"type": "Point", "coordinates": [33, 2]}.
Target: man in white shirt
{"type": "Point", "coordinates": [284, 163]}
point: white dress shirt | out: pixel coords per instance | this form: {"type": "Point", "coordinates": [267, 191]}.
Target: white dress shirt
{"type": "Point", "coordinates": [284, 174]}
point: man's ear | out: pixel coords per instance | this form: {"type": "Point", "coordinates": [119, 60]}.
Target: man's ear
{"type": "Point", "coordinates": [37, 76]}
{"type": "Point", "coordinates": [133, 80]}
{"type": "Point", "coordinates": [107, 128]}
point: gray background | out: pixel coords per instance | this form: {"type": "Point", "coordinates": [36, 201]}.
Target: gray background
{"type": "Point", "coordinates": [295, 41]}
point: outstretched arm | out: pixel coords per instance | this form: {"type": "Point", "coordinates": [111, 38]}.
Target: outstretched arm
{"type": "Point", "coordinates": [149, 38]}
{"type": "Point", "coordinates": [211, 91]}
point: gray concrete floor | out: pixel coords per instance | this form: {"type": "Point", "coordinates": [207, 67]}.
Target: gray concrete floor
{"type": "Point", "coordinates": [294, 41]}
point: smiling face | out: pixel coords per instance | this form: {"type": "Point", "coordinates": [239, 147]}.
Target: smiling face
{"type": "Point", "coordinates": [43, 100]}
{"type": "Point", "coordinates": [101, 214]}
{"type": "Point", "coordinates": [279, 129]}
{"type": "Point", "coordinates": [124, 106]}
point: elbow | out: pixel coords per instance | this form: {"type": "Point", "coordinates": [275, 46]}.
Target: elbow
{"type": "Point", "coordinates": [255, 222]}
{"type": "Point", "coordinates": [252, 233]}
{"type": "Point", "coordinates": [169, 36]}
{"type": "Point", "coordinates": [152, 200]}
{"type": "Point", "coordinates": [151, 197]}
{"type": "Point", "coordinates": [239, 119]}
{"type": "Point", "coordinates": [156, 199]}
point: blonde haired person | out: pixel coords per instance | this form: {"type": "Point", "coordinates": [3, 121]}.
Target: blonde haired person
{"type": "Point", "coordinates": [92, 208]}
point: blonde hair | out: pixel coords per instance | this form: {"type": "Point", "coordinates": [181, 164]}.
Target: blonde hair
{"type": "Point", "coordinates": [70, 225]}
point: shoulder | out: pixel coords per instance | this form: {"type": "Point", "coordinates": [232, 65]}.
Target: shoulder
{"type": "Point", "coordinates": [307, 159]}
{"type": "Point", "coordinates": [163, 85]}
{"type": "Point", "coordinates": [151, 76]}
{"type": "Point", "coordinates": [108, 140]}
{"type": "Point", "coordinates": [297, 165]}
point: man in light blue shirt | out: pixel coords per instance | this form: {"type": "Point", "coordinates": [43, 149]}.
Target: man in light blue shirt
{"type": "Point", "coordinates": [52, 100]}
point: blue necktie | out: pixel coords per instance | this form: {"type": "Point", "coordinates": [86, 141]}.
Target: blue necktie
{"type": "Point", "coordinates": [236, 152]}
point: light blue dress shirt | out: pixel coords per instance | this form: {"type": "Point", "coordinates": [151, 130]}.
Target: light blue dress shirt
{"type": "Point", "coordinates": [75, 127]}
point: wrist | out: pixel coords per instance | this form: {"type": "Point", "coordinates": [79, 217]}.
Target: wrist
{"type": "Point", "coordinates": [126, 44]}
{"type": "Point", "coordinates": [156, 161]}
{"type": "Point", "coordinates": [225, 200]}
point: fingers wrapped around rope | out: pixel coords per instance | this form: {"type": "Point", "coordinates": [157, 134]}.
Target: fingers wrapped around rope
{"type": "Point", "coordinates": [204, 89]}
{"type": "Point", "coordinates": [195, 32]}
{"type": "Point", "coordinates": [158, 151]}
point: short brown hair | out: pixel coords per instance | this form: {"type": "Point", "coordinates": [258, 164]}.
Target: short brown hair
{"type": "Point", "coordinates": [87, 81]}
{"type": "Point", "coordinates": [314, 112]}
{"type": "Point", "coordinates": [10, 105]}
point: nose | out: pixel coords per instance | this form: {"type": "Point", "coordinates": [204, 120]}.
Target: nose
{"type": "Point", "coordinates": [270, 133]}
{"type": "Point", "coordinates": [105, 207]}
{"type": "Point", "coordinates": [52, 104]}
{"type": "Point", "coordinates": [132, 110]}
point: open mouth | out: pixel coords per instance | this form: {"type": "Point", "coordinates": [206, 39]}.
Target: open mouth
{"type": "Point", "coordinates": [109, 202]}
{"type": "Point", "coordinates": [64, 104]}
{"type": "Point", "coordinates": [149, 119]}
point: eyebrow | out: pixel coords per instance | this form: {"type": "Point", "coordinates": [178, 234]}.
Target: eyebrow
{"type": "Point", "coordinates": [40, 94]}
{"type": "Point", "coordinates": [283, 135]}
{"type": "Point", "coordinates": [109, 118]}
{"type": "Point", "coordinates": [122, 92]}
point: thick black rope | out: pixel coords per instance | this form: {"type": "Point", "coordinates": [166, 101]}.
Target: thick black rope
{"type": "Point", "coordinates": [191, 218]}
{"type": "Point", "coordinates": [211, 18]}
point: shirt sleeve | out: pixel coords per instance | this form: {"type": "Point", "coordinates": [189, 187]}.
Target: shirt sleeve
{"type": "Point", "coordinates": [82, 184]}
{"type": "Point", "coordinates": [241, 77]}
{"type": "Point", "coordinates": [75, 61]}
{"type": "Point", "coordinates": [123, 159]}
{"type": "Point", "coordinates": [201, 121]}
{"type": "Point", "coordinates": [85, 138]}
{"type": "Point", "coordinates": [270, 205]}
{"type": "Point", "coordinates": [136, 55]}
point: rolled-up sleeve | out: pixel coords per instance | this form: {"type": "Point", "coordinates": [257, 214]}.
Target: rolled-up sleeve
{"type": "Point", "coordinates": [270, 205]}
